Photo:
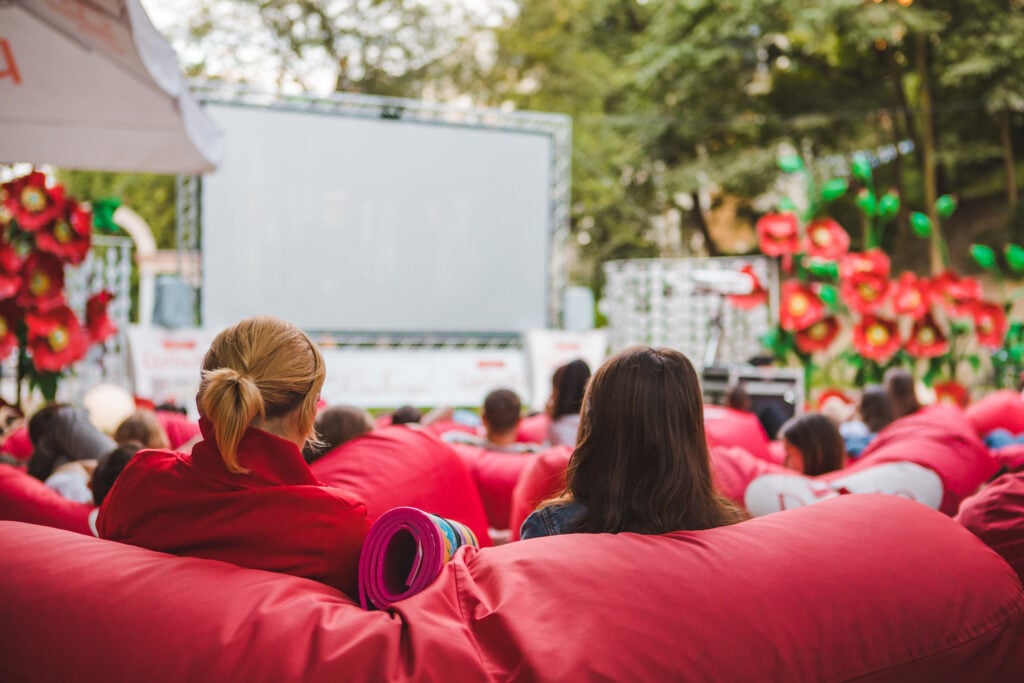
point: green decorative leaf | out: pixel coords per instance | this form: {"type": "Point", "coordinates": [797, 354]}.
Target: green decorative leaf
{"type": "Point", "coordinates": [103, 214]}
{"type": "Point", "coordinates": [975, 362]}
{"type": "Point", "coordinates": [824, 269]}
{"type": "Point", "coordinates": [861, 169]}
{"type": "Point", "coordinates": [1014, 254]}
{"type": "Point", "coordinates": [834, 189]}
{"type": "Point", "coordinates": [983, 256]}
{"type": "Point", "coordinates": [921, 224]}
{"type": "Point", "coordinates": [787, 205]}
{"type": "Point", "coordinates": [866, 201]}
{"type": "Point", "coordinates": [830, 295]}
{"type": "Point", "coordinates": [791, 163]}
{"type": "Point", "coordinates": [945, 205]}
{"type": "Point", "coordinates": [888, 205]}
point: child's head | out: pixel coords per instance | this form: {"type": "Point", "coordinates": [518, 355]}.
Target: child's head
{"type": "Point", "coordinates": [813, 444]}
{"type": "Point", "coordinates": [108, 469]}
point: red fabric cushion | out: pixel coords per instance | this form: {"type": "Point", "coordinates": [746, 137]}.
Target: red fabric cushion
{"type": "Point", "coordinates": [18, 444]}
{"type": "Point", "coordinates": [1002, 409]}
{"type": "Point", "coordinates": [734, 468]}
{"type": "Point", "coordinates": [728, 427]}
{"type": "Point", "coordinates": [1011, 457]}
{"type": "Point", "coordinates": [542, 478]}
{"type": "Point", "coordinates": [996, 516]}
{"type": "Point", "coordinates": [23, 498]}
{"type": "Point", "coordinates": [849, 589]}
{"type": "Point", "coordinates": [533, 429]}
{"type": "Point", "coordinates": [398, 466]}
{"type": "Point", "coordinates": [179, 428]}
{"type": "Point", "coordinates": [495, 475]}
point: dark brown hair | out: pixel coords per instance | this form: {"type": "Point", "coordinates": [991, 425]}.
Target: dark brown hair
{"type": "Point", "coordinates": [818, 440]}
{"type": "Point", "coordinates": [568, 384]}
{"type": "Point", "coordinates": [502, 408]}
{"type": "Point", "coordinates": [875, 408]}
{"type": "Point", "coordinates": [900, 385]}
{"type": "Point", "coordinates": [641, 463]}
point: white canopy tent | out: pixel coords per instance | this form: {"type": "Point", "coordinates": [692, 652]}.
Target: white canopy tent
{"type": "Point", "coordinates": [90, 84]}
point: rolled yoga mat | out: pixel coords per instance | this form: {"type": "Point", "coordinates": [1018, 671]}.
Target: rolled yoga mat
{"type": "Point", "coordinates": [404, 552]}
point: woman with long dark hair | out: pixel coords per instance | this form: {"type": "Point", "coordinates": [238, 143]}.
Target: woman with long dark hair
{"type": "Point", "coordinates": [568, 384]}
{"type": "Point", "coordinates": [641, 464]}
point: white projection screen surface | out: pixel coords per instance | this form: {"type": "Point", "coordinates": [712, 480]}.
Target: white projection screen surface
{"type": "Point", "coordinates": [342, 223]}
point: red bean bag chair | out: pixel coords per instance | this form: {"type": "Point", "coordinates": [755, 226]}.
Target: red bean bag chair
{"type": "Point", "coordinates": [542, 478]}
{"type": "Point", "coordinates": [23, 498]}
{"type": "Point", "coordinates": [733, 469]}
{"type": "Point", "coordinates": [179, 428]}
{"type": "Point", "coordinates": [728, 427]}
{"type": "Point", "coordinates": [1009, 457]}
{"type": "Point", "coordinates": [1002, 409]}
{"type": "Point", "coordinates": [869, 588]}
{"type": "Point", "coordinates": [17, 444]}
{"type": "Point", "coordinates": [533, 429]}
{"type": "Point", "coordinates": [399, 466]}
{"type": "Point", "coordinates": [996, 516]}
{"type": "Point", "coordinates": [495, 475]}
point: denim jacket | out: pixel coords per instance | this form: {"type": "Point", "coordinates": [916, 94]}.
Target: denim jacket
{"type": "Point", "coordinates": [552, 520]}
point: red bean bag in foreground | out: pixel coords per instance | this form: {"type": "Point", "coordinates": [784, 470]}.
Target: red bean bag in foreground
{"type": "Point", "coordinates": [23, 498]}
{"type": "Point", "coordinates": [533, 429]}
{"type": "Point", "coordinates": [870, 588]}
{"type": "Point", "coordinates": [1002, 409]}
{"type": "Point", "coordinates": [495, 474]}
{"type": "Point", "coordinates": [728, 427]}
{"type": "Point", "coordinates": [996, 516]}
{"type": "Point", "coordinates": [542, 478]}
{"type": "Point", "coordinates": [401, 466]}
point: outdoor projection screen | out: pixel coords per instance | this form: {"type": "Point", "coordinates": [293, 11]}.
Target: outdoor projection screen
{"type": "Point", "coordinates": [348, 223]}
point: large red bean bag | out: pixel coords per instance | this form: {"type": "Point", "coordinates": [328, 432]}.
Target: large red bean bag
{"type": "Point", "coordinates": [733, 469]}
{"type": "Point", "coordinates": [495, 475]}
{"type": "Point", "coordinates": [17, 444]}
{"type": "Point", "coordinates": [1003, 409]}
{"type": "Point", "coordinates": [180, 429]}
{"type": "Point", "coordinates": [996, 516]}
{"type": "Point", "coordinates": [542, 478]}
{"type": "Point", "coordinates": [869, 588]}
{"type": "Point", "coordinates": [23, 498]}
{"type": "Point", "coordinates": [1009, 457]}
{"type": "Point", "coordinates": [533, 429]}
{"type": "Point", "coordinates": [398, 466]}
{"type": "Point", "coordinates": [728, 427]}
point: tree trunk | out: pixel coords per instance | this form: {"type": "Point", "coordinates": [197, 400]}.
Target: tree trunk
{"type": "Point", "coordinates": [896, 79]}
{"type": "Point", "coordinates": [928, 152]}
{"type": "Point", "coordinates": [698, 218]}
{"type": "Point", "coordinates": [1008, 161]}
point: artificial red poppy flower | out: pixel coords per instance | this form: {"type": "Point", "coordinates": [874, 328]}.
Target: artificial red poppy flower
{"type": "Point", "coordinates": [758, 295]}
{"type": "Point", "coordinates": [989, 323]}
{"type": "Point", "coordinates": [819, 336]}
{"type": "Point", "coordinates": [55, 338]}
{"type": "Point", "coordinates": [10, 271]}
{"type": "Point", "coordinates": [826, 239]}
{"type": "Point", "coordinates": [800, 308]}
{"type": "Point", "coordinates": [42, 282]}
{"type": "Point", "coordinates": [10, 316]}
{"type": "Point", "coordinates": [864, 280]}
{"type": "Point", "coordinates": [955, 293]}
{"type": "Point", "coordinates": [926, 339]}
{"type": "Point", "coordinates": [876, 338]}
{"type": "Point", "coordinates": [97, 323]}
{"type": "Point", "coordinates": [31, 203]}
{"type": "Point", "coordinates": [951, 392]}
{"type": "Point", "coordinates": [911, 295]}
{"type": "Point", "coordinates": [68, 238]}
{"type": "Point", "coordinates": [778, 234]}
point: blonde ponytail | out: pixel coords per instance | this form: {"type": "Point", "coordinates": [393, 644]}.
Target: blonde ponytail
{"type": "Point", "coordinates": [231, 402]}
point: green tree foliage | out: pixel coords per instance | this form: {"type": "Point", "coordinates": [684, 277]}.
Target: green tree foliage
{"type": "Point", "coordinates": [151, 196]}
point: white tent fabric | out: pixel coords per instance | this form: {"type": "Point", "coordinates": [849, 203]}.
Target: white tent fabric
{"type": "Point", "coordinates": [90, 84]}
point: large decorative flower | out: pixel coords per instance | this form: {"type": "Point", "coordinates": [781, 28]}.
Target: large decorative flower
{"type": "Point", "coordinates": [42, 284]}
{"type": "Point", "coordinates": [801, 307]}
{"type": "Point", "coordinates": [955, 293]}
{"type": "Point", "coordinates": [98, 324]}
{"type": "Point", "coordinates": [69, 236]}
{"type": "Point", "coordinates": [31, 203]}
{"type": "Point", "coordinates": [10, 316]}
{"type": "Point", "coordinates": [876, 338]}
{"type": "Point", "coordinates": [864, 280]}
{"type": "Point", "coordinates": [778, 233]}
{"type": "Point", "coordinates": [819, 336]}
{"type": "Point", "coordinates": [952, 393]}
{"type": "Point", "coordinates": [826, 239]}
{"type": "Point", "coordinates": [911, 296]}
{"type": "Point", "coordinates": [989, 323]}
{"type": "Point", "coordinates": [55, 338]}
{"type": "Point", "coordinates": [10, 271]}
{"type": "Point", "coordinates": [758, 295]}
{"type": "Point", "coordinates": [926, 339]}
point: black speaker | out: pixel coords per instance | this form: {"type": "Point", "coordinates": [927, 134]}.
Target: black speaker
{"type": "Point", "coordinates": [776, 394]}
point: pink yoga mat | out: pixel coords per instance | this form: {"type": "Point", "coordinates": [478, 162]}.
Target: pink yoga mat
{"type": "Point", "coordinates": [404, 552]}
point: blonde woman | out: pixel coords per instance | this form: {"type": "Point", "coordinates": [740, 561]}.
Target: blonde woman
{"type": "Point", "coordinates": [244, 494]}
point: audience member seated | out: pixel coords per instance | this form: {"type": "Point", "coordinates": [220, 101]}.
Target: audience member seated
{"type": "Point", "coordinates": [899, 384]}
{"type": "Point", "coordinates": [641, 464]}
{"type": "Point", "coordinates": [405, 465]}
{"type": "Point", "coordinates": [406, 415]}
{"type": "Point", "coordinates": [143, 428]}
{"type": "Point", "coordinates": [996, 516]}
{"type": "Point", "coordinates": [334, 426]}
{"type": "Point", "coordinates": [567, 386]}
{"type": "Point", "coordinates": [813, 444]}
{"type": "Point", "coordinates": [500, 417]}
{"type": "Point", "coordinates": [873, 413]}
{"type": "Point", "coordinates": [245, 495]}
{"type": "Point", "coordinates": [60, 434]}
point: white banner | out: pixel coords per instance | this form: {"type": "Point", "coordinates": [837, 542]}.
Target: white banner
{"type": "Point", "coordinates": [166, 363]}
{"type": "Point", "coordinates": [550, 349]}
